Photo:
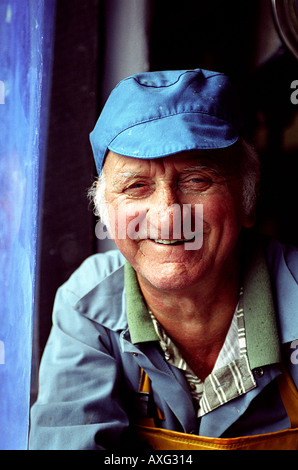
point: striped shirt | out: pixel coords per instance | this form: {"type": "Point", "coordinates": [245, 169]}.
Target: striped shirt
{"type": "Point", "coordinates": [231, 375]}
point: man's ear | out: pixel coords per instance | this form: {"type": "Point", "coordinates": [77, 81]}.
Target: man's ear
{"type": "Point", "coordinates": [248, 221]}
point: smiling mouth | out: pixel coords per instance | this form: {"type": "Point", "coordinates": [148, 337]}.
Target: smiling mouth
{"type": "Point", "coordinates": [173, 242]}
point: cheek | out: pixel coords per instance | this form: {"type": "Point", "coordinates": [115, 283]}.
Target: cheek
{"type": "Point", "coordinates": [124, 231]}
{"type": "Point", "coordinates": [119, 224]}
{"type": "Point", "coordinates": [222, 213]}
{"type": "Point", "coordinates": [128, 220]}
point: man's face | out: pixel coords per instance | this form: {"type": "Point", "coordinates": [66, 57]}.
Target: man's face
{"type": "Point", "coordinates": [145, 200]}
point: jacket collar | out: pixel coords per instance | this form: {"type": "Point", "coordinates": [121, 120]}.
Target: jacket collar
{"type": "Point", "coordinates": [117, 303]}
{"type": "Point", "coordinates": [105, 303]}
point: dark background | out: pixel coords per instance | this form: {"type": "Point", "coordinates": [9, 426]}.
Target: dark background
{"type": "Point", "coordinates": [232, 36]}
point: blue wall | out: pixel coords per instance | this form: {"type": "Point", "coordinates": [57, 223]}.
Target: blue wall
{"type": "Point", "coordinates": [26, 36]}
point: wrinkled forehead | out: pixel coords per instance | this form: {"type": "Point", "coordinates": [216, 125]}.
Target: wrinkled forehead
{"type": "Point", "coordinates": [224, 161]}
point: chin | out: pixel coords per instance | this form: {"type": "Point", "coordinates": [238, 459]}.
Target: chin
{"type": "Point", "coordinates": [167, 278]}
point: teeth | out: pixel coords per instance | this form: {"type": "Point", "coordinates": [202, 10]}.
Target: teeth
{"type": "Point", "coordinates": [170, 242]}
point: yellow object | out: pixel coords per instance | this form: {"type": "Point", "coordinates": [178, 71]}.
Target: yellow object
{"type": "Point", "coordinates": [163, 439]}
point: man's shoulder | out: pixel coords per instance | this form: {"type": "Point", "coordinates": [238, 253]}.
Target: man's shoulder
{"type": "Point", "coordinates": [92, 272]}
{"type": "Point", "coordinates": [282, 262]}
{"type": "Point", "coordinates": [282, 256]}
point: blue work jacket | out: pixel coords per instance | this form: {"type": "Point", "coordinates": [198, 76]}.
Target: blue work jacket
{"type": "Point", "coordinates": [90, 371]}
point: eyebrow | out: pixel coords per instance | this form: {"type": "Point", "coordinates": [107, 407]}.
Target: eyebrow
{"type": "Point", "coordinates": [200, 167]}
{"type": "Point", "coordinates": [129, 173]}
{"type": "Point", "coordinates": [125, 176]}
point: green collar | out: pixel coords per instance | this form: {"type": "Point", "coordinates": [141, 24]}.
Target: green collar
{"type": "Point", "coordinates": [263, 345]}
{"type": "Point", "coordinates": [140, 325]}
{"type": "Point", "coordinates": [260, 320]}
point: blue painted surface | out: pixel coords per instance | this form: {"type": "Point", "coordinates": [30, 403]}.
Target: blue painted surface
{"type": "Point", "coordinates": [26, 36]}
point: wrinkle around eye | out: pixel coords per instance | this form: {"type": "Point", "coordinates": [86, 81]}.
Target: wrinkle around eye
{"type": "Point", "coordinates": [138, 190]}
{"type": "Point", "coordinates": [196, 185]}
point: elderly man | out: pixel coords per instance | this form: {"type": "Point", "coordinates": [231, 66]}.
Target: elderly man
{"type": "Point", "coordinates": [185, 337]}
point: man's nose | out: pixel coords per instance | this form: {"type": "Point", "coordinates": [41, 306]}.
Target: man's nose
{"type": "Point", "coordinates": [165, 213]}
{"type": "Point", "coordinates": [166, 196]}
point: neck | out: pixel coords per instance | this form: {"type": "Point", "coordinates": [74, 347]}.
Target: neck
{"type": "Point", "coordinates": [199, 318]}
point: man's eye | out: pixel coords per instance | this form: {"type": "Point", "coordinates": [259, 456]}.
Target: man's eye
{"type": "Point", "coordinates": [138, 189]}
{"type": "Point", "coordinates": [197, 180]}
{"type": "Point", "coordinates": [136, 185]}
{"type": "Point", "coordinates": [197, 183]}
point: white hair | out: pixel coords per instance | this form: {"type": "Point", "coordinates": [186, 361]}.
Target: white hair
{"type": "Point", "coordinates": [250, 175]}
{"type": "Point", "coordinates": [97, 195]}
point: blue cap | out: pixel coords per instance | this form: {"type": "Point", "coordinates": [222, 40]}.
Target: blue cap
{"type": "Point", "coordinates": [156, 114]}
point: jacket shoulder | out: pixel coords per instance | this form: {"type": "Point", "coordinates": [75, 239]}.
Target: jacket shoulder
{"type": "Point", "coordinates": [92, 272]}
{"type": "Point", "coordinates": [282, 262]}
{"type": "Point", "coordinates": [280, 255]}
